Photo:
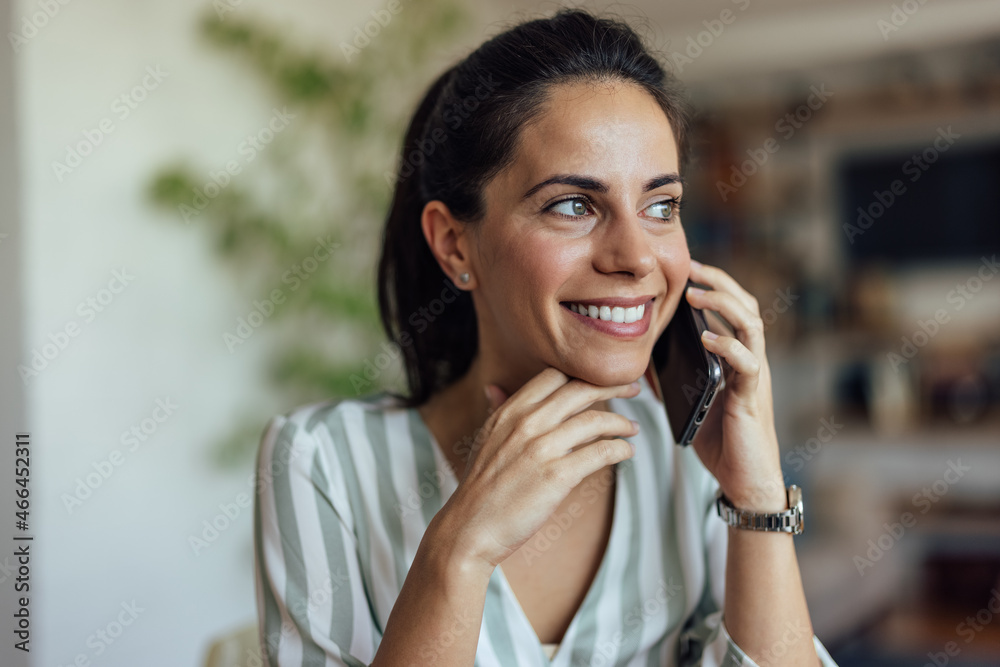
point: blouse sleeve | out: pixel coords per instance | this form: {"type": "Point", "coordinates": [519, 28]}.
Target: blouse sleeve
{"type": "Point", "coordinates": [311, 601]}
{"type": "Point", "coordinates": [705, 641]}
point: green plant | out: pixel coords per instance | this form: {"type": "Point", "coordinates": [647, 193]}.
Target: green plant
{"type": "Point", "coordinates": [322, 176]}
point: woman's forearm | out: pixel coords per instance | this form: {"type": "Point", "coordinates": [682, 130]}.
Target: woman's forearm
{"type": "Point", "coordinates": [765, 607]}
{"type": "Point", "coordinates": [437, 616]}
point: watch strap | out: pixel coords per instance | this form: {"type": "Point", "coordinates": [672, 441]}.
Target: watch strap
{"type": "Point", "coordinates": [789, 521]}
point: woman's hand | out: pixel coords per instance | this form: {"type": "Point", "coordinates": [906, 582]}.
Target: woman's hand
{"type": "Point", "coordinates": [737, 442]}
{"type": "Point", "coordinates": [521, 468]}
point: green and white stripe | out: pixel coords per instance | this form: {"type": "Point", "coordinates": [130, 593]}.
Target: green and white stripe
{"type": "Point", "coordinates": [347, 489]}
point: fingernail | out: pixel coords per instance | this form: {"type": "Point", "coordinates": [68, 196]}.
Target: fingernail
{"type": "Point", "coordinates": [695, 263]}
{"type": "Point", "coordinates": [711, 335]}
{"type": "Point", "coordinates": [695, 290]}
{"type": "Point", "coordinates": [634, 385]}
{"type": "Point", "coordinates": [635, 424]}
{"type": "Point", "coordinates": [632, 445]}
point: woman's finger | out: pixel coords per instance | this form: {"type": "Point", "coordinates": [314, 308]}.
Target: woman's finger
{"type": "Point", "coordinates": [577, 395]}
{"type": "Point", "coordinates": [590, 458]}
{"type": "Point", "coordinates": [745, 364]}
{"type": "Point", "coordinates": [582, 428]}
{"type": "Point", "coordinates": [719, 280]}
{"type": "Point", "coordinates": [748, 326]}
{"type": "Point", "coordinates": [551, 398]}
{"type": "Point", "coordinates": [552, 383]}
{"type": "Point", "coordinates": [495, 397]}
{"type": "Point", "coordinates": [538, 387]}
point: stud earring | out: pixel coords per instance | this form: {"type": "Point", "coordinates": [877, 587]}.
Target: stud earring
{"type": "Point", "coordinates": [464, 277]}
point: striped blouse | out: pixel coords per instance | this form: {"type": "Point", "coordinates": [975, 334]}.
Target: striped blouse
{"type": "Point", "coordinates": [345, 490]}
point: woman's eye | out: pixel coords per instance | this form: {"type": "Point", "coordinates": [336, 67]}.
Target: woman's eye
{"type": "Point", "coordinates": [571, 207]}
{"type": "Point", "coordinates": [578, 207]}
{"type": "Point", "coordinates": [666, 208]}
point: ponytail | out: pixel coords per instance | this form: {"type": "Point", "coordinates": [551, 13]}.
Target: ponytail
{"type": "Point", "coordinates": [408, 271]}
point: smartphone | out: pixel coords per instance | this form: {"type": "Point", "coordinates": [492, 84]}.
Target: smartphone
{"type": "Point", "coordinates": [685, 376]}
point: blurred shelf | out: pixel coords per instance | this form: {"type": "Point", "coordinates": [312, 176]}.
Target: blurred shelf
{"type": "Point", "coordinates": [968, 460]}
{"type": "Point", "coordinates": [944, 535]}
{"type": "Point", "coordinates": [939, 434]}
{"type": "Point", "coordinates": [926, 628]}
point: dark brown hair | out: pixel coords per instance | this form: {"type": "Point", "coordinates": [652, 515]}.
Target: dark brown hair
{"type": "Point", "coordinates": [464, 132]}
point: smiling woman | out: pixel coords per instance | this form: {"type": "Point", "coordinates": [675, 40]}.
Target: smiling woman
{"type": "Point", "coordinates": [496, 515]}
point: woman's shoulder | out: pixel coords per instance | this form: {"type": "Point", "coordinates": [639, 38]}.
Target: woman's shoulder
{"type": "Point", "coordinates": [306, 428]}
{"type": "Point", "coordinates": [343, 451]}
{"type": "Point", "coordinates": [307, 416]}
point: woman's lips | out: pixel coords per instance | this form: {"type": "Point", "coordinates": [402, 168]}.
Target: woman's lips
{"type": "Point", "coordinates": [616, 329]}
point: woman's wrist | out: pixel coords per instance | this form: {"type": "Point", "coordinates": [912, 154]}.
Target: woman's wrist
{"type": "Point", "coordinates": [765, 497]}
{"type": "Point", "coordinates": [760, 504]}
{"type": "Point", "coordinates": [450, 552]}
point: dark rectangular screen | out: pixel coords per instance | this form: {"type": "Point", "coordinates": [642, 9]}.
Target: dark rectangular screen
{"type": "Point", "coordinates": [946, 203]}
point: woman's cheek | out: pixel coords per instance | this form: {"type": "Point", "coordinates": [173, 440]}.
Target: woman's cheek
{"type": "Point", "coordinates": [530, 273]}
{"type": "Point", "coordinates": [547, 262]}
{"type": "Point", "coordinates": [676, 263]}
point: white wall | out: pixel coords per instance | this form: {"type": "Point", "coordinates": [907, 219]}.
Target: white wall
{"type": "Point", "coordinates": [160, 337]}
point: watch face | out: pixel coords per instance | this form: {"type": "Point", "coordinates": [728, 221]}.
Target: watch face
{"type": "Point", "coordinates": [795, 502]}
{"type": "Point", "coordinates": [794, 497]}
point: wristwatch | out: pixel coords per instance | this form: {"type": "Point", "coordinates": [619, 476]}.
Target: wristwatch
{"type": "Point", "coordinates": [789, 521]}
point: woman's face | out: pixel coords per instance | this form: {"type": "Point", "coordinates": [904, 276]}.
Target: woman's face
{"type": "Point", "coordinates": [584, 215]}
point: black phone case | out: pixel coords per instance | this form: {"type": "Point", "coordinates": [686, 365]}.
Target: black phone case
{"type": "Point", "coordinates": [692, 323]}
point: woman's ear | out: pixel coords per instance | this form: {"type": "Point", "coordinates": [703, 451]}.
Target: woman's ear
{"type": "Point", "coordinates": [448, 242]}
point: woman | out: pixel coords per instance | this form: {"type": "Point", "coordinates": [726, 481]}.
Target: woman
{"type": "Point", "coordinates": [525, 504]}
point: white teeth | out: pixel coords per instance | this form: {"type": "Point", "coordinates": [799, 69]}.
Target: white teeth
{"type": "Point", "coordinates": [609, 314]}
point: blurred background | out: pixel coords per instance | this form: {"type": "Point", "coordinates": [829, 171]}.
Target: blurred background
{"type": "Point", "coordinates": [191, 199]}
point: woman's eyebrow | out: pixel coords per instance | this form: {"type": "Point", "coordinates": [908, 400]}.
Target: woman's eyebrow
{"type": "Point", "coordinates": [595, 185]}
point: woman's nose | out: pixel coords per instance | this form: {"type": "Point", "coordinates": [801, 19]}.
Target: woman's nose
{"type": "Point", "coordinates": [625, 247]}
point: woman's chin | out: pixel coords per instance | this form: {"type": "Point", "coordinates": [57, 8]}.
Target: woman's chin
{"type": "Point", "coordinates": [622, 372]}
